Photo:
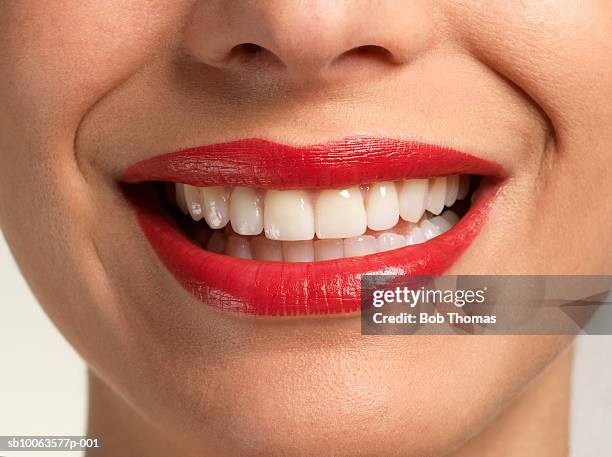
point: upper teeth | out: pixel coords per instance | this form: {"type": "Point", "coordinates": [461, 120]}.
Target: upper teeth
{"type": "Point", "coordinates": [288, 216]}
{"type": "Point", "coordinates": [294, 215]}
{"type": "Point", "coordinates": [340, 213]}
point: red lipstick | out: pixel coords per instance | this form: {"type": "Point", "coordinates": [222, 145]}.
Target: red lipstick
{"type": "Point", "coordinates": [309, 288]}
{"type": "Point", "coordinates": [347, 162]}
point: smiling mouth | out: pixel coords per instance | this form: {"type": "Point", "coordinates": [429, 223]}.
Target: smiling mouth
{"type": "Point", "coordinates": [267, 229]}
{"type": "Point", "coordinates": [316, 225]}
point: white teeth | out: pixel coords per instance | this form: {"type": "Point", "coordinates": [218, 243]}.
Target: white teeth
{"type": "Point", "coordinates": [246, 213]}
{"type": "Point", "coordinates": [340, 213]}
{"type": "Point", "coordinates": [429, 229]}
{"type": "Point", "coordinates": [389, 241]}
{"type": "Point", "coordinates": [416, 236]}
{"type": "Point", "coordinates": [298, 251]}
{"type": "Point", "coordinates": [215, 205]}
{"type": "Point", "coordinates": [452, 190]}
{"type": "Point", "coordinates": [360, 245]}
{"type": "Point", "coordinates": [238, 246]}
{"type": "Point", "coordinates": [412, 199]}
{"type": "Point", "coordinates": [328, 249]}
{"type": "Point", "coordinates": [451, 217]}
{"type": "Point", "coordinates": [464, 187]}
{"type": "Point", "coordinates": [288, 215]}
{"type": "Point", "coordinates": [216, 243]}
{"type": "Point", "coordinates": [382, 206]}
{"type": "Point", "coordinates": [442, 224]}
{"type": "Point", "coordinates": [264, 249]}
{"type": "Point", "coordinates": [436, 195]}
{"type": "Point", "coordinates": [179, 191]}
{"type": "Point", "coordinates": [316, 225]}
{"type": "Point", "coordinates": [193, 201]}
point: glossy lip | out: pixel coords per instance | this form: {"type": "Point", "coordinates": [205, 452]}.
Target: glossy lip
{"type": "Point", "coordinates": [309, 288]}
{"type": "Point", "coordinates": [261, 163]}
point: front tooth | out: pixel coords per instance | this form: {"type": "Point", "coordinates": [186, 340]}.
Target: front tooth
{"type": "Point", "coordinates": [193, 201]}
{"type": "Point", "coordinates": [288, 215]}
{"type": "Point", "coordinates": [265, 249]}
{"type": "Point", "coordinates": [436, 195]}
{"type": "Point", "coordinates": [238, 246]}
{"type": "Point", "coordinates": [215, 204]}
{"type": "Point", "coordinates": [412, 199]}
{"type": "Point", "coordinates": [464, 187]}
{"type": "Point", "coordinates": [328, 249]}
{"type": "Point", "coordinates": [359, 245]}
{"type": "Point", "coordinates": [298, 251]}
{"type": "Point", "coordinates": [416, 236]}
{"type": "Point", "coordinates": [452, 190]}
{"type": "Point", "coordinates": [216, 243]}
{"type": "Point", "coordinates": [429, 229]}
{"type": "Point", "coordinates": [389, 241]}
{"type": "Point", "coordinates": [246, 214]}
{"type": "Point", "coordinates": [340, 213]}
{"type": "Point", "coordinates": [179, 191]}
{"type": "Point", "coordinates": [382, 206]}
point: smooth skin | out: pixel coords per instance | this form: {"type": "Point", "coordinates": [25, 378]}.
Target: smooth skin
{"type": "Point", "coordinates": [88, 88]}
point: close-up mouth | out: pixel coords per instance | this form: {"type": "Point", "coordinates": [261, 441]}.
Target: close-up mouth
{"type": "Point", "coordinates": [267, 229]}
{"type": "Point", "coordinates": [292, 229]}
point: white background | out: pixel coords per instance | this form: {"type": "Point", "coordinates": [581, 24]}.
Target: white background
{"type": "Point", "coordinates": [33, 354]}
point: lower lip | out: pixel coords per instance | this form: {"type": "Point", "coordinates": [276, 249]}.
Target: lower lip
{"type": "Point", "coordinates": [299, 289]}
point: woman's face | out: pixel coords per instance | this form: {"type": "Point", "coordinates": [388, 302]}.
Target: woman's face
{"type": "Point", "coordinates": [90, 88]}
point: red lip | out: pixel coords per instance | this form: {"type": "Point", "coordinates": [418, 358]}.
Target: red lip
{"type": "Point", "coordinates": [280, 288]}
{"type": "Point", "coordinates": [350, 161]}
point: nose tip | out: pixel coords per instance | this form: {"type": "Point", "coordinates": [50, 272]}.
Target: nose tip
{"type": "Point", "coordinates": [305, 39]}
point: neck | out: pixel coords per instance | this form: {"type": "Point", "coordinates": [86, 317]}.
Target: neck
{"type": "Point", "coordinates": [535, 424]}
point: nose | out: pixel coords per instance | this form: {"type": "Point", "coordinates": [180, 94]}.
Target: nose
{"type": "Point", "coordinates": [306, 38]}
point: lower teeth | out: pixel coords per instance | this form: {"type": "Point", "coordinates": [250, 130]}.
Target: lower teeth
{"type": "Point", "coordinates": [225, 241]}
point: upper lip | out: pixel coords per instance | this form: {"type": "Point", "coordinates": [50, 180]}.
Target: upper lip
{"type": "Point", "coordinates": [278, 288]}
{"type": "Point", "coordinates": [353, 160]}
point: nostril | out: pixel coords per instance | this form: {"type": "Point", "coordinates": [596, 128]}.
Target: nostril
{"type": "Point", "coordinates": [247, 49]}
{"type": "Point", "coordinates": [248, 52]}
{"type": "Point", "coordinates": [369, 51]}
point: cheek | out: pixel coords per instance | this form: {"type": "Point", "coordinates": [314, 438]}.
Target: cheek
{"type": "Point", "coordinates": [555, 53]}
{"type": "Point", "coordinates": [64, 58]}
{"type": "Point", "coordinates": [559, 55]}
{"type": "Point", "coordinates": [67, 57]}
